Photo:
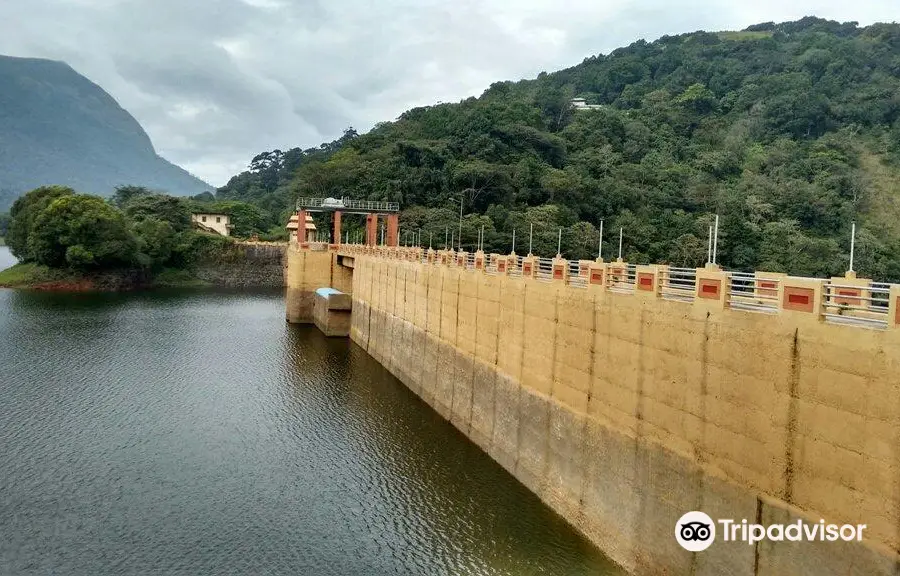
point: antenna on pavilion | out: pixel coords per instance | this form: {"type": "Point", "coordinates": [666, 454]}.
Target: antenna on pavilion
{"type": "Point", "coordinates": [709, 246]}
{"type": "Point", "coordinates": [530, 238]}
{"type": "Point", "coordinates": [513, 251]}
{"type": "Point", "coordinates": [559, 244]}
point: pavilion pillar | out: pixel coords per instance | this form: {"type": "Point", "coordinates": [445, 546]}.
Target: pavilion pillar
{"type": "Point", "coordinates": [301, 227]}
{"type": "Point", "coordinates": [393, 228]}
{"type": "Point", "coordinates": [371, 229]}
{"type": "Point", "coordinates": [336, 239]}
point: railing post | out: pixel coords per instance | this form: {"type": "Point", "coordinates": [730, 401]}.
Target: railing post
{"type": "Point", "coordinates": [560, 270]}
{"type": "Point", "coordinates": [802, 295]}
{"type": "Point", "coordinates": [461, 259]}
{"type": "Point", "coordinates": [529, 266]}
{"type": "Point", "coordinates": [302, 239]}
{"type": "Point", "coordinates": [712, 287]}
{"type": "Point", "coordinates": [894, 306]}
{"type": "Point", "coordinates": [597, 272]}
{"type": "Point", "coordinates": [500, 261]}
{"type": "Point", "coordinates": [479, 260]}
{"type": "Point", "coordinates": [646, 281]}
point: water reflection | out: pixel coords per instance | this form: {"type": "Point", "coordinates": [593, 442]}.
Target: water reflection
{"type": "Point", "coordinates": [197, 433]}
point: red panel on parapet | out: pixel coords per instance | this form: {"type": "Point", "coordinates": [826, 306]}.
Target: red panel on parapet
{"type": "Point", "coordinates": [597, 277]}
{"type": "Point", "coordinates": [798, 299]}
{"type": "Point", "coordinates": [709, 289]}
{"type": "Point", "coordinates": [645, 282]}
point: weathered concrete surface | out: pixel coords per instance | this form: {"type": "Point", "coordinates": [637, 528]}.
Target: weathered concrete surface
{"type": "Point", "coordinates": [623, 412]}
{"type": "Point", "coordinates": [245, 265]}
{"type": "Point", "coordinates": [331, 312]}
{"type": "Point", "coordinates": [308, 270]}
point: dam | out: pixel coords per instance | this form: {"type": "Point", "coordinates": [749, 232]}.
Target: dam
{"type": "Point", "coordinates": [626, 396]}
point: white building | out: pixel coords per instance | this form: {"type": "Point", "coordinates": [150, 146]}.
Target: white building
{"type": "Point", "coordinates": [218, 223]}
{"type": "Point", "coordinates": [581, 104]}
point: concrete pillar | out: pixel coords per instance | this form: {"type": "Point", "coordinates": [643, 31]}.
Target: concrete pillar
{"type": "Point", "coordinates": [393, 230]}
{"type": "Point", "coordinates": [894, 307]}
{"type": "Point", "coordinates": [336, 239]}
{"type": "Point", "coordinates": [479, 260]}
{"type": "Point", "coordinates": [529, 266]}
{"type": "Point", "coordinates": [801, 295]}
{"type": "Point", "coordinates": [502, 263]}
{"type": "Point", "coordinates": [560, 269]}
{"type": "Point", "coordinates": [647, 280]}
{"type": "Point", "coordinates": [712, 288]}
{"type": "Point", "coordinates": [301, 229]}
{"type": "Point", "coordinates": [597, 274]}
{"type": "Point", "coordinates": [461, 259]}
{"type": "Point", "coordinates": [371, 229]}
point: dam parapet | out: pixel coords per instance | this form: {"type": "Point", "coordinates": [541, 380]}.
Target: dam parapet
{"type": "Point", "coordinates": [625, 396]}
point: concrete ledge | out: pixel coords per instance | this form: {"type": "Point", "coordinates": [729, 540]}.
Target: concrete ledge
{"type": "Point", "coordinates": [332, 311]}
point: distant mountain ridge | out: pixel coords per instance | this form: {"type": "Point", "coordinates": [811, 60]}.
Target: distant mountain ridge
{"type": "Point", "coordinates": [58, 127]}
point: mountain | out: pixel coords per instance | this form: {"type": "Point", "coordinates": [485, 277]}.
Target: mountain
{"type": "Point", "coordinates": [789, 132]}
{"type": "Point", "coordinates": [58, 127]}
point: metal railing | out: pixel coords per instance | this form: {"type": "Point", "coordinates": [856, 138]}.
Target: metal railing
{"type": "Point", "coordinates": [843, 302]}
{"type": "Point", "coordinates": [346, 204]}
{"type": "Point", "coordinates": [748, 292]}
{"type": "Point", "coordinates": [576, 279]}
{"type": "Point", "coordinates": [678, 284]}
{"type": "Point", "coordinates": [622, 282]}
{"type": "Point", "coordinates": [862, 306]}
{"type": "Point", "coordinates": [544, 269]}
{"type": "Point", "coordinates": [515, 266]}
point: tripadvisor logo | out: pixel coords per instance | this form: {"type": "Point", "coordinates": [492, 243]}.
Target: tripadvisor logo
{"type": "Point", "coordinates": [695, 531]}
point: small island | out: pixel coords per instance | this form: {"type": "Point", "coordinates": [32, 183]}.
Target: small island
{"type": "Point", "coordinates": [68, 241]}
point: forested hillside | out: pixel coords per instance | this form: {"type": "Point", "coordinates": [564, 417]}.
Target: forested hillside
{"type": "Point", "coordinates": [788, 131]}
{"type": "Point", "coordinates": [59, 128]}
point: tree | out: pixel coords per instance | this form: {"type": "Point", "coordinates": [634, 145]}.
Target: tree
{"type": "Point", "coordinates": [81, 232]}
{"type": "Point", "coordinates": [169, 209]}
{"type": "Point", "coordinates": [4, 223]}
{"type": "Point", "coordinates": [155, 241]}
{"type": "Point", "coordinates": [23, 214]}
{"type": "Point", "coordinates": [125, 194]}
{"type": "Point", "coordinates": [246, 219]}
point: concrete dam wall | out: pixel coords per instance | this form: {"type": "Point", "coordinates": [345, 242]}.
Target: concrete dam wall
{"type": "Point", "coordinates": [623, 411]}
{"type": "Point", "coordinates": [245, 265]}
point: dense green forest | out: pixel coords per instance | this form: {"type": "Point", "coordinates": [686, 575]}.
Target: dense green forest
{"type": "Point", "coordinates": [788, 131]}
{"type": "Point", "coordinates": [136, 229]}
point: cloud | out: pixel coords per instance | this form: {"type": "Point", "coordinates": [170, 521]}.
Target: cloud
{"type": "Point", "coordinates": [216, 81]}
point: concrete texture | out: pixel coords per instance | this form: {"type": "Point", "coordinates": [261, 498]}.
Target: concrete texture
{"type": "Point", "coordinates": [332, 312]}
{"type": "Point", "coordinates": [624, 411]}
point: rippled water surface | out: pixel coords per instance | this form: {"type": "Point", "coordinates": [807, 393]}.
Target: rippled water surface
{"type": "Point", "coordinates": [199, 434]}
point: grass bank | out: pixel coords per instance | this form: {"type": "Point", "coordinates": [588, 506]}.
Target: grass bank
{"type": "Point", "coordinates": [36, 277]}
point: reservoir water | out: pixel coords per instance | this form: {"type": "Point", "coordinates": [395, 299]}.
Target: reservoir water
{"type": "Point", "coordinates": [197, 433]}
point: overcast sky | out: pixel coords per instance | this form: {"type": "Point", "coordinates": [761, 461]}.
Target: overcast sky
{"type": "Point", "coordinates": [213, 82]}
